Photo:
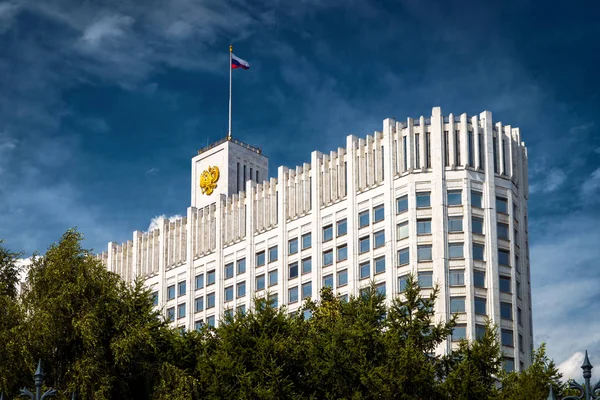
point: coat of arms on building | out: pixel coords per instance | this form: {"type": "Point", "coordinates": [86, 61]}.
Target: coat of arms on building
{"type": "Point", "coordinates": [208, 180]}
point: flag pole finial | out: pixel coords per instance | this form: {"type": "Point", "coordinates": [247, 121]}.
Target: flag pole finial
{"type": "Point", "coordinates": [230, 48]}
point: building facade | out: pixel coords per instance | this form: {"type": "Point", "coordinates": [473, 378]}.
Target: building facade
{"type": "Point", "coordinates": [443, 197]}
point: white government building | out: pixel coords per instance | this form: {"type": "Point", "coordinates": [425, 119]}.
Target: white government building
{"type": "Point", "coordinates": [444, 197]}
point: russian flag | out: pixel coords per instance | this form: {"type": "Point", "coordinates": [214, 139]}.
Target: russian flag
{"type": "Point", "coordinates": [237, 62]}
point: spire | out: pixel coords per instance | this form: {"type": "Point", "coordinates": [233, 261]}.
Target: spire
{"type": "Point", "coordinates": [586, 362]}
{"type": "Point", "coordinates": [39, 375]}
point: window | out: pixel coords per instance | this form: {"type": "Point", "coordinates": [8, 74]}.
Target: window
{"type": "Point", "coordinates": [154, 296]}
{"type": "Point", "coordinates": [518, 289]}
{"type": "Point", "coordinates": [455, 224]}
{"type": "Point", "coordinates": [241, 289]}
{"type": "Point", "coordinates": [506, 336]}
{"type": "Point", "coordinates": [273, 254]}
{"type": "Point", "coordinates": [459, 332]}
{"type": "Point", "coordinates": [328, 233]}
{"type": "Point", "coordinates": [519, 315]}
{"type": "Point", "coordinates": [378, 213]}
{"type": "Point", "coordinates": [364, 244]}
{"type": "Point", "coordinates": [199, 304]}
{"type": "Point", "coordinates": [454, 197]}
{"type": "Point", "coordinates": [379, 265]}
{"type": "Point", "coordinates": [457, 277]}
{"type": "Point", "coordinates": [293, 294]}
{"type": "Point", "coordinates": [210, 321]}
{"type": "Point", "coordinates": [424, 252]}
{"type": "Point", "coordinates": [241, 266]}
{"type": "Point", "coordinates": [327, 258]}
{"type": "Point", "coordinates": [480, 306]}
{"type": "Point", "coordinates": [198, 325]}
{"type": "Point", "coordinates": [210, 278]}
{"type": "Point", "coordinates": [501, 205]}
{"type": "Point", "coordinates": [307, 314]}
{"type": "Point", "coordinates": [424, 226]}
{"type": "Point", "coordinates": [293, 246]}
{"type": "Point", "coordinates": [293, 270]}
{"type": "Point", "coordinates": [273, 278]}
{"type": "Point", "coordinates": [423, 200]}
{"type": "Point", "coordinates": [403, 230]}
{"type": "Point", "coordinates": [505, 284]}
{"type": "Point", "coordinates": [306, 240]}
{"type": "Point", "coordinates": [455, 250]}
{"type": "Point", "coordinates": [273, 300]}
{"type": "Point", "coordinates": [380, 289]}
{"type": "Point", "coordinates": [260, 258]}
{"type": "Point", "coordinates": [181, 288]}
{"type": "Point", "coordinates": [170, 292]}
{"type": "Point", "coordinates": [306, 290]}
{"type": "Point", "coordinates": [363, 219]}
{"type": "Point", "coordinates": [342, 253]}
{"type": "Point", "coordinates": [457, 304]}
{"type": "Point", "coordinates": [402, 204]}
{"type": "Point", "coordinates": [480, 331]}
{"type": "Point", "coordinates": [181, 311]}
{"type": "Point", "coordinates": [307, 264]}
{"type": "Point", "coordinates": [379, 239]}
{"type": "Point", "coordinates": [516, 237]}
{"type": "Point", "coordinates": [477, 225]}
{"type": "Point", "coordinates": [479, 279]}
{"type": "Point", "coordinates": [342, 227]}
{"type": "Point", "coordinates": [402, 280]}
{"type": "Point", "coordinates": [403, 256]}
{"type": "Point", "coordinates": [170, 314]}
{"type": "Point", "coordinates": [503, 257]}
{"type": "Point", "coordinates": [228, 270]}
{"type": "Point", "coordinates": [425, 279]}
{"type": "Point", "coordinates": [260, 282]}
{"type": "Point", "coordinates": [342, 277]}
{"type": "Point", "coordinates": [502, 230]}
{"type": "Point", "coordinates": [200, 281]}
{"type": "Point", "coordinates": [210, 300]}
{"type": "Point", "coordinates": [229, 293]}
{"type": "Point", "coordinates": [328, 281]}
{"type": "Point", "coordinates": [476, 199]}
{"type": "Point", "coordinates": [365, 270]}
{"type": "Point", "coordinates": [521, 343]}
{"type": "Point", "coordinates": [506, 310]}
{"type": "Point", "coordinates": [478, 251]}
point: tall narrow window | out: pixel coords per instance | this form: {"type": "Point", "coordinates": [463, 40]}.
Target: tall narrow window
{"type": "Point", "coordinates": [457, 147]}
{"type": "Point", "coordinates": [428, 150]}
{"type": "Point", "coordinates": [471, 151]}
{"type": "Point", "coordinates": [417, 151]}
{"type": "Point", "coordinates": [494, 149]}
{"type": "Point", "coordinates": [405, 151]}
{"type": "Point", "coordinates": [481, 152]}
{"type": "Point", "coordinates": [238, 177]}
{"type": "Point", "coordinates": [250, 176]}
{"type": "Point", "coordinates": [446, 149]}
{"type": "Point", "coordinates": [244, 175]}
{"type": "Point", "coordinates": [382, 163]}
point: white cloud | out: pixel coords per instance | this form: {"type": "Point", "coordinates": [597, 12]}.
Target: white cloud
{"type": "Point", "coordinates": [156, 222]}
{"type": "Point", "coordinates": [591, 184]}
{"type": "Point", "coordinates": [8, 11]}
{"type": "Point", "coordinates": [571, 367]}
{"type": "Point", "coordinates": [113, 26]}
{"type": "Point", "coordinates": [552, 180]}
{"type": "Point", "coordinates": [581, 128]}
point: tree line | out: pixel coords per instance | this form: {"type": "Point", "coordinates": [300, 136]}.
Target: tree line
{"type": "Point", "coordinates": [101, 337]}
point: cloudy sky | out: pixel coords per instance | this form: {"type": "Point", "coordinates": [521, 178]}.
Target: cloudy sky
{"type": "Point", "coordinates": [102, 105]}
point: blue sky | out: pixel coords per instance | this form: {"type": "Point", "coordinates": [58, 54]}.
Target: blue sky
{"type": "Point", "coordinates": [103, 104]}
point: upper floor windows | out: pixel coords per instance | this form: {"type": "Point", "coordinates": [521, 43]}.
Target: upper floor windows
{"type": "Point", "coordinates": [502, 205]}
{"type": "Point", "coordinates": [181, 288]}
{"type": "Point", "coordinates": [424, 252]}
{"type": "Point", "coordinates": [306, 240]}
{"type": "Point", "coordinates": [503, 257]}
{"type": "Point", "coordinates": [241, 266]}
{"type": "Point", "coordinates": [228, 270]}
{"type": "Point", "coordinates": [363, 219]}
{"type": "Point", "coordinates": [423, 199]}
{"type": "Point", "coordinates": [260, 258]}
{"type": "Point", "coordinates": [477, 225]}
{"type": "Point", "coordinates": [476, 199]}
{"type": "Point", "coordinates": [403, 230]}
{"type": "Point", "coordinates": [455, 224]}
{"type": "Point", "coordinates": [327, 233]}
{"type": "Point", "coordinates": [273, 254]}
{"type": "Point", "coordinates": [342, 227]}
{"type": "Point", "coordinates": [402, 204]}
{"type": "Point", "coordinates": [502, 230]}
{"type": "Point", "coordinates": [478, 251]}
{"type": "Point", "coordinates": [379, 239]}
{"type": "Point", "coordinates": [424, 226]}
{"type": "Point", "coordinates": [200, 281]}
{"type": "Point", "coordinates": [170, 292]}
{"type": "Point", "coordinates": [293, 246]}
{"type": "Point", "coordinates": [454, 197]}
{"type": "Point", "coordinates": [378, 213]}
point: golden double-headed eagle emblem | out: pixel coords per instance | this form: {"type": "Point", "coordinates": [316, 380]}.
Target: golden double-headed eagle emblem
{"type": "Point", "coordinates": [208, 180]}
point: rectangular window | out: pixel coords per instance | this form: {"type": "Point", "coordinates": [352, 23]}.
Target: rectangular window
{"type": "Point", "coordinates": [455, 224]}
{"type": "Point", "coordinates": [478, 251]}
{"type": "Point", "coordinates": [521, 344]}
{"type": "Point", "coordinates": [502, 230]}
{"type": "Point", "coordinates": [364, 244]}
{"type": "Point", "coordinates": [363, 219]}
{"type": "Point", "coordinates": [518, 289]}
{"type": "Point", "coordinates": [425, 279]}
{"type": "Point", "coordinates": [503, 257]}
{"type": "Point", "coordinates": [228, 270]}
{"type": "Point", "coordinates": [327, 233]}
{"type": "Point", "coordinates": [306, 290]}
{"type": "Point", "coordinates": [502, 205]}
{"type": "Point", "coordinates": [457, 147]}
{"type": "Point", "coordinates": [293, 270]}
{"type": "Point", "coordinates": [293, 246]}
{"type": "Point", "coordinates": [507, 337]}
{"type": "Point", "coordinates": [171, 314]}
{"type": "Point", "coordinates": [342, 253]}
{"type": "Point", "coordinates": [505, 284]}
{"type": "Point", "coordinates": [457, 304]}
{"type": "Point", "coordinates": [424, 252]}
{"type": "Point", "coordinates": [181, 288]}
{"type": "Point", "coordinates": [260, 258]}
{"type": "Point", "coordinates": [229, 293]}
{"type": "Point", "coordinates": [456, 277]}
{"type": "Point", "coordinates": [241, 266]}
{"type": "Point", "coordinates": [402, 280]}
{"type": "Point", "coordinates": [365, 270]}
{"type": "Point", "coordinates": [238, 177]}
{"type": "Point", "coordinates": [342, 278]}
{"type": "Point", "coordinates": [379, 239]}
{"type": "Point", "coordinates": [379, 265]}
{"type": "Point", "coordinates": [405, 152]}
{"type": "Point", "coordinates": [477, 225]}
{"type": "Point", "coordinates": [260, 282]}
{"type": "Point", "coordinates": [210, 321]}
{"type": "Point", "coordinates": [342, 227]}
{"type": "Point", "coordinates": [307, 265]}
{"type": "Point", "coordinates": [428, 150]}
{"type": "Point", "coordinates": [479, 278]}
{"type": "Point", "coordinates": [476, 199]}
{"type": "Point", "coordinates": [403, 256]}
{"type": "Point", "coordinates": [170, 292]}
{"type": "Point", "coordinates": [293, 294]}
{"type": "Point", "coordinates": [273, 300]}
{"type": "Point", "coordinates": [480, 331]}
{"type": "Point", "coordinates": [378, 213]}
{"type": "Point", "coordinates": [459, 333]}
{"type": "Point", "coordinates": [494, 150]}
{"type": "Point", "coordinates": [417, 151]}
{"type": "Point", "coordinates": [328, 281]}
{"type": "Point", "coordinates": [519, 315]}
{"type": "Point", "coordinates": [423, 200]}
{"type": "Point", "coordinates": [454, 197]}
{"type": "Point", "coordinates": [200, 281]}
{"type": "Point", "coordinates": [273, 278]}
{"type": "Point", "coordinates": [273, 254]}
{"type": "Point", "coordinates": [455, 250]}
{"type": "Point", "coordinates": [256, 176]}
{"type": "Point", "coordinates": [199, 304]}
{"type": "Point", "coordinates": [402, 204]}
{"type": "Point", "coordinates": [210, 300]}
{"type": "Point", "coordinates": [154, 296]}
{"type": "Point", "coordinates": [424, 226]}
{"type": "Point", "coordinates": [181, 311]}
{"type": "Point", "coordinates": [471, 151]}
{"type": "Point", "coordinates": [327, 258]}
{"type": "Point", "coordinates": [380, 288]}
{"type": "Point", "coordinates": [306, 240]}
{"type": "Point", "coordinates": [241, 289]}
{"type": "Point", "coordinates": [446, 149]}
{"type": "Point", "coordinates": [506, 310]}
{"type": "Point", "coordinates": [481, 151]}
{"type": "Point", "coordinates": [480, 306]}
{"type": "Point", "coordinates": [403, 230]}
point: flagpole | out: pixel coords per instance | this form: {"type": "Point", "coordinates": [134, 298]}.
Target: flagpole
{"type": "Point", "coordinates": [230, 76]}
